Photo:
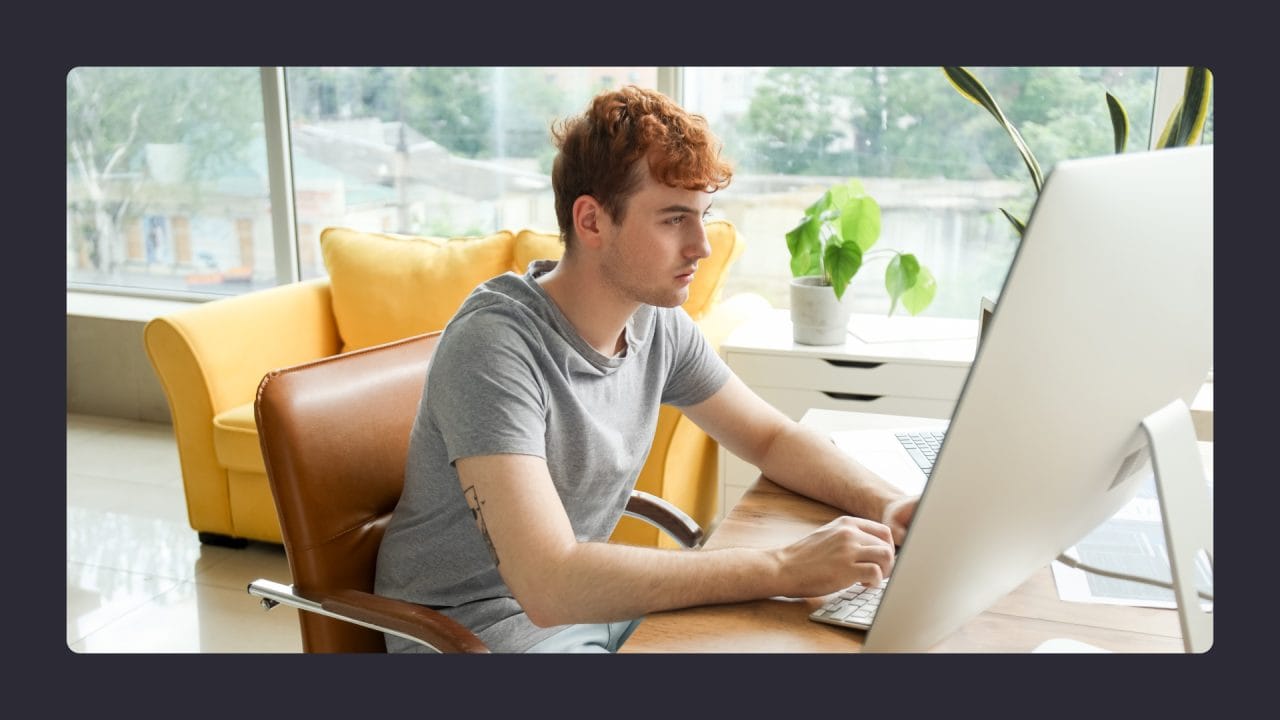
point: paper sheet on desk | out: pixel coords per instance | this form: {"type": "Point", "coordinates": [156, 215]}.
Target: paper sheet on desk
{"type": "Point", "coordinates": [885, 329]}
{"type": "Point", "coordinates": [1131, 542]}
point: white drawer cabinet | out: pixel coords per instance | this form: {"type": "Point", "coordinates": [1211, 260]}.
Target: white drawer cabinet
{"type": "Point", "coordinates": [902, 365]}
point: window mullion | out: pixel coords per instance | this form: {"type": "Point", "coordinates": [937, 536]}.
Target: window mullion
{"type": "Point", "coordinates": [671, 83]}
{"type": "Point", "coordinates": [1169, 86]}
{"type": "Point", "coordinates": [275, 114]}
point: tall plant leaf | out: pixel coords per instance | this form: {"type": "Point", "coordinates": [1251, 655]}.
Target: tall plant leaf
{"type": "Point", "coordinates": [1017, 224]}
{"type": "Point", "coordinates": [967, 85]}
{"type": "Point", "coordinates": [1119, 122]}
{"type": "Point", "coordinates": [1186, 122]}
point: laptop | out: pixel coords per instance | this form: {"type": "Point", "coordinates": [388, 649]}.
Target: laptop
{"type": "Point", "coordinates": [904, 456]}
{"type": "Point", "coordinates": [1104, 324]}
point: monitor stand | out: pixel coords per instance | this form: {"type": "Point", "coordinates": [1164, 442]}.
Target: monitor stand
{"type": "Point", "coordinates": [1185, 508]}
{"type": "Point", "coordinates": [1188, 523]}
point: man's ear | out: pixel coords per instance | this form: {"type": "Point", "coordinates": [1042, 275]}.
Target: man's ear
{"type": "Point", "coordinates": [589, 219]}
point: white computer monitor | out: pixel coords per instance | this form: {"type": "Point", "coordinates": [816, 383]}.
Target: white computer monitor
{"type": "Point", "coordinates": [1106, 316]}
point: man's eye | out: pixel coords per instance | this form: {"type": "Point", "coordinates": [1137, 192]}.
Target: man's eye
{"type": "Point", "coordinates": [675, 220]}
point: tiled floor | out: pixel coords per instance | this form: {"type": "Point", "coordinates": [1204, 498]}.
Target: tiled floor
{"type": "Point", "coordinates": [138, 580]}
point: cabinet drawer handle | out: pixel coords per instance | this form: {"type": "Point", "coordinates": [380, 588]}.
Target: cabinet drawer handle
{"type": "Point", "coordinates": [853, 363]}
{"type": "Point", "coordinates": [851, 396]}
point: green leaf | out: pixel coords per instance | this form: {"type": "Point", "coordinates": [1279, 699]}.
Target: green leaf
{"type": "Point", "coordinates": [860, 222]}
{"type": "Point", "coordinates": [900, 276]}
{"type": "Point", "coordinates": [967, 85]}
{"type": "Point", "coordinates": [806, 248]}
{"type": "Point", "coordinates": [1186, 122]}
{"type": "Point", "coordinates": [1119, 122]}
{"type": "Point", "coordinates": [918, 296]}
{"type": "Point", "coordinates": [823, 204]}
{"type": "Point", "coordinates": [1017, 224]}
{"type": "Point", "coordinates": [842, 260]}
{"type": "Point", "coordinates": [841, 194]}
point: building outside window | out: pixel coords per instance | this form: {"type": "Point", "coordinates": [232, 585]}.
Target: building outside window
{"type": "Point", "coordinates": [166, 186]}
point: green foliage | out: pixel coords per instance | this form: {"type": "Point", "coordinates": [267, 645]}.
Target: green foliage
{"type": "Point", "coordinates": [836, 235]}
{"type": "Point", "coordinates": [793, 121]}
{"type": "Point", "coordinates": [474, 112]}
{"type": "Point", "coordinates": [113, 112]}
{"type": "Point", "coordinates": [901, 121]}
{"type": "Point", "coordinates": [1184, 126]}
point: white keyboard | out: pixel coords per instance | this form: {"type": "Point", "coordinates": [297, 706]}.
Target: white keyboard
{"type": "Point", "coordinates": [853, 607]}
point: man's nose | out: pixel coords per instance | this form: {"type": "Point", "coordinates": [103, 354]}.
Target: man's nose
{"type": "Point", "coordinates": [701, 246]}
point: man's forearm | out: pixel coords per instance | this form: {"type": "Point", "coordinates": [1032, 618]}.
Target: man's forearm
{"type": "Point", "coordinates": [603, 582]}
{"type": "Point", "coordinates": [807, 462]}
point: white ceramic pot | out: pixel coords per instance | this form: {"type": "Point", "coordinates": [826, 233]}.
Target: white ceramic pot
{"type": "Point", "coordinates": [817, 317]}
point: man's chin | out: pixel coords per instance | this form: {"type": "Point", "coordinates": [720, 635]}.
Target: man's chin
{"type": "Point", "coordinates": [671, 301]}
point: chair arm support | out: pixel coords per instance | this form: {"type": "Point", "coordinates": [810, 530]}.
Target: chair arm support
{"type": "Point", "coordinates": [418, 622]}
{"type": "Point", "coordinates": [666, 517]}
{"type": "Point", "coordinates": [397, 617]}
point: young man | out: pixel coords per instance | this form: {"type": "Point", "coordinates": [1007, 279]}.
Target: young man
{"type": "Point", "coordinates": [542, 399]}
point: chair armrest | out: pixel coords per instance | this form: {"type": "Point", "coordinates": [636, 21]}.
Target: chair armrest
{"type": "Point", "coordinates": [408, 620]}
{"type": "Point", "coordinates": [666, 517]}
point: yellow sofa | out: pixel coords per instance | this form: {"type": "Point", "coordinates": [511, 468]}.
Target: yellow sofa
{"type": "Point", "coordinates": [382, 287]}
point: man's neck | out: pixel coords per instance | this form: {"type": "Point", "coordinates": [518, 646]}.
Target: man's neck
{"type": "Point", "coordinates": [598, 314]}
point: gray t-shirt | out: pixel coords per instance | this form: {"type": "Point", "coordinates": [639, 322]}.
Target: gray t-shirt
{"type": "Point", "coordinates": [512, 376]}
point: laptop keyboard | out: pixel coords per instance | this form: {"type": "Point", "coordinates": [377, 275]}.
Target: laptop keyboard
{"type": "Point", "coordinates": [853, 607]}
{"type": "Point", "coordinates": [922, 446]}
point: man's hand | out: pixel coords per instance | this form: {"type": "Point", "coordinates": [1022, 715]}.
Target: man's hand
{"type": "Point", "coordinates": [898, 514]}
{"type": "Point", "coordinates": [833, 557]}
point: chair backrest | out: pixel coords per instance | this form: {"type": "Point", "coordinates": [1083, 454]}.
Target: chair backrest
{"type": "Point", "coordinates": [335, 436]}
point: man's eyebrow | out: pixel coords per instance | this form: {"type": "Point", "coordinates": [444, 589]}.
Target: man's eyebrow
{"type": "Point", "coordinates": [683, 209]}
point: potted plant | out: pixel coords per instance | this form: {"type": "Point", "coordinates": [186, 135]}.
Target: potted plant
{"type": "Point", "coordinates": [830, 245]}
{"type": "Point", "coordinates": [1183, 127]}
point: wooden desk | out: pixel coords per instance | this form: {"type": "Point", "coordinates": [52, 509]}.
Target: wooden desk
{"type": "Point", "coordinates": [768, 515]}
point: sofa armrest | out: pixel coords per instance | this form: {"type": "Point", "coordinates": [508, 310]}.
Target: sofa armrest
{"type": "Point", "coordinates": [227, 345]}
{"type": "Point", "coordinates": [211, 357]}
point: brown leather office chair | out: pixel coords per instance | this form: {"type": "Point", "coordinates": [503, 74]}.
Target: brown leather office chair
{"type": "Point", "coordinates": [335, 436]}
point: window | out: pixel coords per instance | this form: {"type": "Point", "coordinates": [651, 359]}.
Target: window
{"type": "Point", "coordinates": [440, 151]}
{"type": "Point", "coordinates": [166, 180]}
{"type": "Point", "coordinates": [168, 188]}
{"type": "Point", "coordinates": [939, 165]}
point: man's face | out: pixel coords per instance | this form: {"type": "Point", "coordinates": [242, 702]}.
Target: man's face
{"type": "Point", "coordinates": [650, 257]}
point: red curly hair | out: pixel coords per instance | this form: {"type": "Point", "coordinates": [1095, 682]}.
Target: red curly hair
{"type": "Point", "coordinates": [599, 151]}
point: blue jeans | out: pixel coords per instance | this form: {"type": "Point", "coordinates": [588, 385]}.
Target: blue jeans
{"type": "Point", "coordinates": [588, 638]}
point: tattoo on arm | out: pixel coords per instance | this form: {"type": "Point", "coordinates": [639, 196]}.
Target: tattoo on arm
{"type": "Point", "coordinates": [474, 503]}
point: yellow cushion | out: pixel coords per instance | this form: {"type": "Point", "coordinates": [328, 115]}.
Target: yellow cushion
{"type": "Point", "coordinates": [532, 245]}
{"type": "Point", "coordinates": [726, 246]}
{"type": "Point", "coordinates": [387, 286]}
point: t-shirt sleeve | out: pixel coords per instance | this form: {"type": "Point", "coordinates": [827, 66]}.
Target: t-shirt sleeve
{"type": "Point", "coordinates": [697, 371]}
{"type": "Point", "coordinates": [483, 389]}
